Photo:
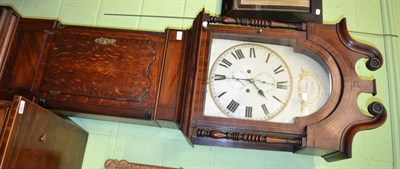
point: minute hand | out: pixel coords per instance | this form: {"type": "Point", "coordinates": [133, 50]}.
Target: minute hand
{"type": "Point", "coordinates": [238, 79]}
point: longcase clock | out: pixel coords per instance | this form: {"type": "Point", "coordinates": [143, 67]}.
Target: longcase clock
{"type": "Point", "coordinates": [231, 82]}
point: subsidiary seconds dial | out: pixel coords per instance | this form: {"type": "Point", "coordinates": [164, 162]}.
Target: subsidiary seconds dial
{"type": "Point", "coordinates": [250, 81]}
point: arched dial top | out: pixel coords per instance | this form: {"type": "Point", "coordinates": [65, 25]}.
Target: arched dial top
{"type": "Point", "coordinates": [264, 82]}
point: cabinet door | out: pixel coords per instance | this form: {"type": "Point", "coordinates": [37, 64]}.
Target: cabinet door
{"type": "Point", "coordinates": [101, 71]}
{"type": "Point", "coordinates": [33, 137]}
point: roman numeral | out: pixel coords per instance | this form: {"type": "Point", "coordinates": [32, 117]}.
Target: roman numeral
{"type": "Point", "coordinates": [220, 95]}
{"type": "Point", "coordinates": [232, 106]}
{"type": "Point", "coordinates": [219, 77]}
{"type": "Point", "coordinates": [252, 53]}
{"type": "Point", "coordinates": [269, 55]}
{"type": "Point", "coordinates": [277, 99]}
{"type": "Point", "coordinates": [249, 112]}
{"type": "Point", "coordinates": [239, 54]}
{"type": "Point", "coordinates": [265, 109]}
{"type": "Point", "coordinates": [225, 63]}
{"type": "Point", "coordinates": [279, 69]}
{"type": "Point", "coordinates": [281, 85]}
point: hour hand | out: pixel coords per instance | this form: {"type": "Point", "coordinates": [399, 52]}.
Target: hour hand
{"type": "Point", "coordinates": [261, 93]}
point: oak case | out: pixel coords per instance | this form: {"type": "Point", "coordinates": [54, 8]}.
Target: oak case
{"type": "Point", "coordinates": [63, 67]}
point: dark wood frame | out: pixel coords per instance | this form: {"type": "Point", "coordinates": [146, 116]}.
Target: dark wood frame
{"type": "Point", "coordinates": [234, 8]}
{"type": "Point", "coordinates": [274, 36]}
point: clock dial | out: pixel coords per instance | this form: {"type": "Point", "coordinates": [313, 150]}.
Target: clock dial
{"type": "Point", "coordinates": [258, 81]}
{"type": "Point", "coordinates": [250, 81]}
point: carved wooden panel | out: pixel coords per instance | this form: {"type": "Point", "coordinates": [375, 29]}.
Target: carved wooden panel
{"type": "Point", "coordinates": [77, 65]}
{"type": "Point", "coordinates": [101, 71]}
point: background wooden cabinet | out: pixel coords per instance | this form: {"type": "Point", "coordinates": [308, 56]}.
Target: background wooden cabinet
{"type": "Point", "coordinates": [32, 137]}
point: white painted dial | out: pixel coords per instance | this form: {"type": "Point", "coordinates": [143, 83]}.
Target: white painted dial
{"type": "Point", "coordinates": [250, 81]}
{"type": "Point", "coordinates": [265, 82]}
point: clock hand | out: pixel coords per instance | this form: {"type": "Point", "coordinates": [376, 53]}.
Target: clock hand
{"type": "Point", "coordinates": [264, 82]}
{"type": "Point", "coordinates": [252, 81]}
{"type": "Point", "coordinates": [223, 77]}
{"type": "Point", "coordinates": [238, 78]}
{"type": "Point", "coordinates": [261, 92]}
